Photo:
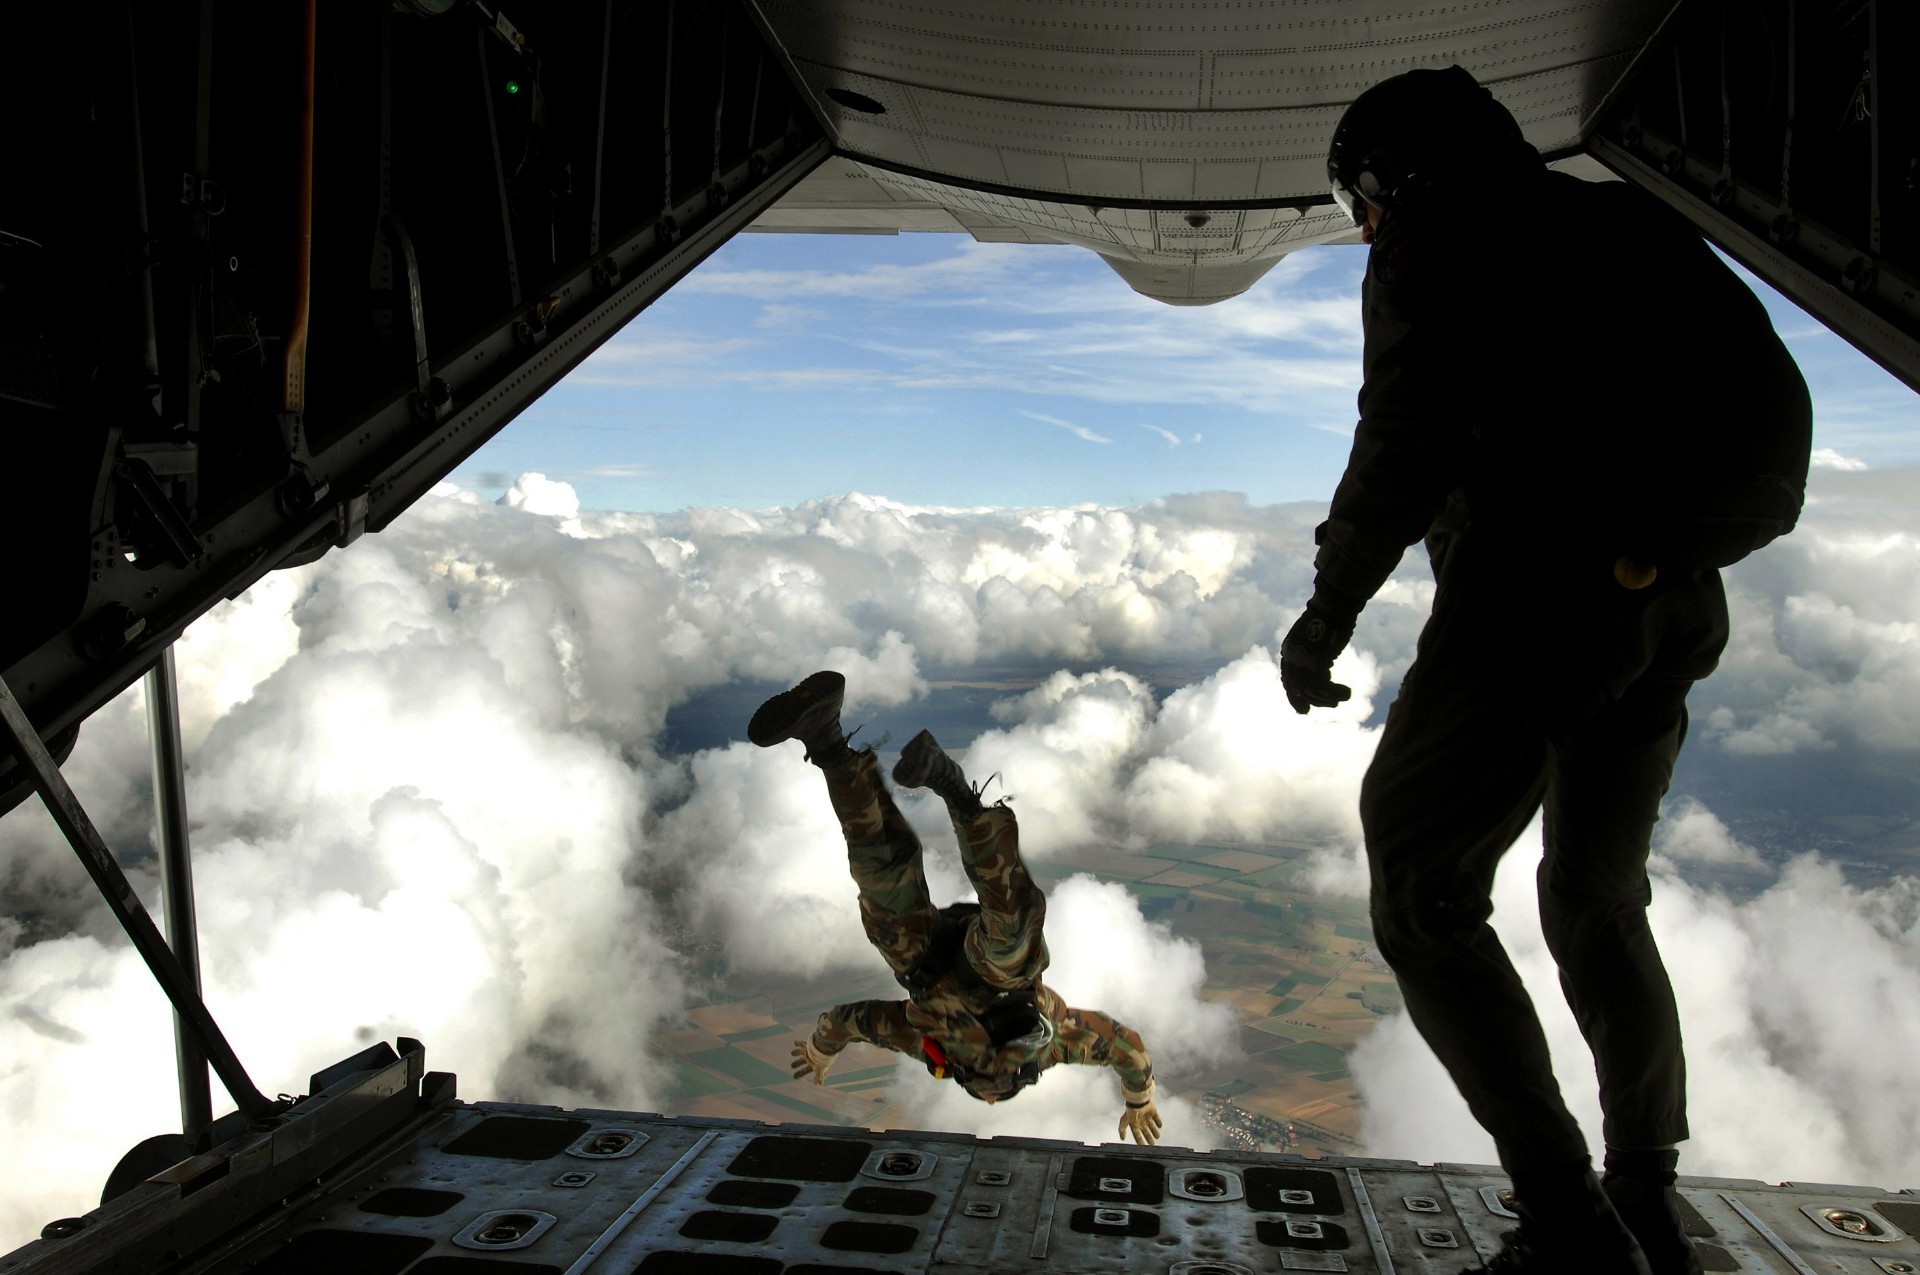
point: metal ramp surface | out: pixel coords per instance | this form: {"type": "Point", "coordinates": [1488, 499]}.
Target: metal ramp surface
{"type": "Point", "coordinates": [382, 1171]}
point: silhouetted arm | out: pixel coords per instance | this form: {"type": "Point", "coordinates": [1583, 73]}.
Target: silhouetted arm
{"type": "Point", "coordinates": [1426, 358]}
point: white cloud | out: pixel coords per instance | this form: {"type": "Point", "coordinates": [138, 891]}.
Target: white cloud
{"type": "Point", "coordinates": [386, 799]}
{"type": "Point", "coordinates": [1689, 832]}
{"type": "Point", "coordinates": [1826, 651]}
{"type": "Point", "coordinates": [1173, 439]}
{"type": "Point", "coordinates": [1080, 432]}
{"type": "Point", "coordinates": [547, 498]}
{"type": "Point", "coordinates": [970, 270]}
{"type": "Point", "coordinates": [1093, 758]}
{"type": "Point", "coordinates": [1828, 458]}
{"type": "Point", "coordinates": [790, 316]}
{"type": "Point", "coordinates": [634, 374]}
{"type": "Point", "coordinates": [664, 358]}
{"type": "Point", "coordinates": [1230, 755]}
{"type": "Point", "coordinates": [762, 816]}
{"type": "Point", "coordinates": [43, 887]}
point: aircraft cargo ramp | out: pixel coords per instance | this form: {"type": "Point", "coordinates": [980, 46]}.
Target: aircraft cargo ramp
{"type": "Point", "coordinates": [383, 1171]}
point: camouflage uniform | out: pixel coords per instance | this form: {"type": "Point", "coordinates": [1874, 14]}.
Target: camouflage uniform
{"type": "Point", "coordinates": [999, 959]}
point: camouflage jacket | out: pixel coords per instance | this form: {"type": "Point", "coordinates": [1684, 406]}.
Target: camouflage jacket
{"type": "Point", "coordinates": [944, 1014]}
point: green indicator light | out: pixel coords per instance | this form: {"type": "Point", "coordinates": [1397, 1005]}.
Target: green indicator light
{"type": "Point", "coordinates": [513, 86]}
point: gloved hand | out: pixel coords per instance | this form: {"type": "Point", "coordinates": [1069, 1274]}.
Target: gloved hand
{"type": "Point", "coordinates": [1309, 649]}
{"type": "Point", "coordinates": [1141, 1118]}
{"type": "Point", "coordinates": [807, 1059]}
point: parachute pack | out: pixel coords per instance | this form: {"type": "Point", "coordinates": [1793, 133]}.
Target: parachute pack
{"type": "Point", "coordinates": [1703, 458]}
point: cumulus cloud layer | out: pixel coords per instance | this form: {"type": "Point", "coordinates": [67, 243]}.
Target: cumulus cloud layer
{"type": "Point", "coordinates": [1092, 757]}
{"type": "Point", "coordinates": [427, 796]}
{"type": "Point", "coordinates": [430, 797]}
{"type": "Point", "coordinates": [1827, 649]}
{"type": "Point", "coordinates": [394, 832]}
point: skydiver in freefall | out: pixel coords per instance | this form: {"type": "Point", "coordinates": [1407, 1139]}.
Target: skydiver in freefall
{"type": "Point", "coordinates": [977, 1011]}
{"type": "Point", "coordinates": [1583, 412]}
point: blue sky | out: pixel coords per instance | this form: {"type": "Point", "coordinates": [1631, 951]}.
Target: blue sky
{"type": "Point", "coordinates": [934, 370]}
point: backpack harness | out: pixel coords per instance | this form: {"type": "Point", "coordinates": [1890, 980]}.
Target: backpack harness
{"type": "Point", "coordinates": [1006, 1014]}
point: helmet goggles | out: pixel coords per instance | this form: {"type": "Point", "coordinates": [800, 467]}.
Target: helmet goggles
{"type": "Point", "coordinates": [1356, 192]}
{"type": "Point", "coordinates": [1351, 204]}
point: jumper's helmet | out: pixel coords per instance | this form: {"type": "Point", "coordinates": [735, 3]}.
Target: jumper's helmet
{"type": "Point", "coordinates": [1410, 129]}
{"type": "Point", "coordinates": [1001, 1085]}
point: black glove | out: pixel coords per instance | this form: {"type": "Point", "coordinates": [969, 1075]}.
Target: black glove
{"type": "Point", "coordinates": [1306, 656]}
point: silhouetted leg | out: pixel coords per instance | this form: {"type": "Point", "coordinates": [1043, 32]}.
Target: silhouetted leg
{"type": "Point", "coordinates": [884, 856]}
{"type": "Point", "coordinates": [1606, 782]}
{"type": "Point", "coordinates": [1603, 797]}
{"type": "Point", "coordinates": [1007, 947]}
{"type": "Point", "coordinates": [1458, 774]}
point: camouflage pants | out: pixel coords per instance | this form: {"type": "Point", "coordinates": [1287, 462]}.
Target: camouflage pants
{"type": "Point", "coordinates": [1004, 945]}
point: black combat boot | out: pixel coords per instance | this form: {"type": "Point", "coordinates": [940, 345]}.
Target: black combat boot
{"type": "Point", "coordinates": [1567, 1227]}
{"type": "Point", "coordinates": [810, 713]}
{"type": "Point", "coordinates": [1641, 1186]}
{"type": "Point", "coordinates": [924, 765]}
